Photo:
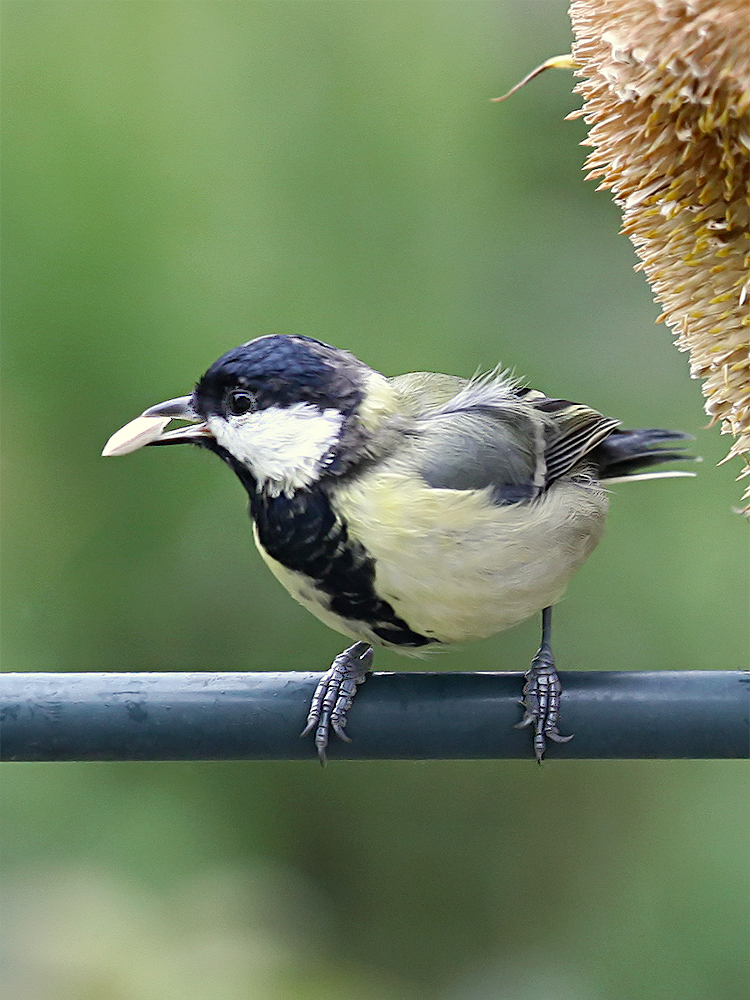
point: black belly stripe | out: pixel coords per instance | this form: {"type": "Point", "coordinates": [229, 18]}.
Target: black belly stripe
{"type": "Point", "coordinates": [303, 533]}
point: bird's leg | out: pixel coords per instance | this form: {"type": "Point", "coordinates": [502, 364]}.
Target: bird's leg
{"type": "Point", "coordinates": [334, 695]}
{"type": "Point", "coordinates": [541, 694]}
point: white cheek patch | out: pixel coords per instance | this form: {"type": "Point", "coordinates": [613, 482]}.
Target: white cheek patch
{"type": "Point", "coordinates": [284, 447]}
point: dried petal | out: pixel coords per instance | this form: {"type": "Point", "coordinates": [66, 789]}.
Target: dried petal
{"type": "Point", "coordinates": [666, 86]}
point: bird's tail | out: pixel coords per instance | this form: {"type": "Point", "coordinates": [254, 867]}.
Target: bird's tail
{"type": "Point", "coordinates": [622, 455]}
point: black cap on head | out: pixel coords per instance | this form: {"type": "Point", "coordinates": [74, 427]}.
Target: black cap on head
{"type": "Point", "coordinates": [280, 370]}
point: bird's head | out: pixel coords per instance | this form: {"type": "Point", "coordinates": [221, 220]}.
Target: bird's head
{"type": "Point", "coordinates": [281, 410]}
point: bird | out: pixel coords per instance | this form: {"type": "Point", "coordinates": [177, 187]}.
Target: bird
{"type": "Point", "coordinates": [414, 511]}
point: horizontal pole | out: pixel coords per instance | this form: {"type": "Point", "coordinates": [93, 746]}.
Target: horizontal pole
{"type": "Point", "coordinates": [258, 716]}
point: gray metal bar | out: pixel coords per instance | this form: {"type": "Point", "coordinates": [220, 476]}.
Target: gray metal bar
{"type": "Point", "coordinates": [257, 716]}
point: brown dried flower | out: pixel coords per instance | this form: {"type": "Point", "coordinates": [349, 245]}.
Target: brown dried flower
{"type": "Point", "coordinates": [666, 86]}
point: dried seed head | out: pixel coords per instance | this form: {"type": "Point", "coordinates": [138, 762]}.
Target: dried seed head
{"type": "Point", "coordinates": [666, 86]}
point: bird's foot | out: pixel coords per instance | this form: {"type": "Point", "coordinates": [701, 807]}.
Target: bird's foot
{"type": "Point", "coordinates": [541, 702]}
{"type": "Point", "coordinates": [334, 695]}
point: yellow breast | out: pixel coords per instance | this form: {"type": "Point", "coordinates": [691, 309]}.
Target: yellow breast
{"type": "Point", "coordinates": [451, 563]}
{"type": "Point", "coordinates": [456, 566]}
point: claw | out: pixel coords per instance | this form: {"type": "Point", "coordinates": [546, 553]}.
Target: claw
{"type": "Point", "coordinates": [541, 697]}
{"type": "Point", "coordinates": [334, 695]}
{"type": "Point", "coordinates": [542, 704]}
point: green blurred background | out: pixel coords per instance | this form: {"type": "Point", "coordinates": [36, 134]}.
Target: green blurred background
{"type": "Point", "coordinates": [183, 176]}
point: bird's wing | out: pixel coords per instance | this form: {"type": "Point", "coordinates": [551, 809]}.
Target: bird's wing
{"type": "Point", "coordinates": [491, 433]}
{"type": "Point", "coordinates": [573, 431]}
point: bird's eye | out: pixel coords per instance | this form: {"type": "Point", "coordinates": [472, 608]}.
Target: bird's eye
{"type": "Point", "coordinates": [239, 401]}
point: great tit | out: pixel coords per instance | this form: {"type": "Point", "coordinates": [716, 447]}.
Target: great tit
{"type": "Point", "coordinates": [408, 512]}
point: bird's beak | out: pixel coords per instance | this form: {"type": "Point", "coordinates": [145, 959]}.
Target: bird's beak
{"type": "Point", "coordinates": [149, 428]}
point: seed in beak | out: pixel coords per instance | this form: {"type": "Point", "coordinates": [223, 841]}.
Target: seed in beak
{"type": "Point", "coordinates": [137, 434]}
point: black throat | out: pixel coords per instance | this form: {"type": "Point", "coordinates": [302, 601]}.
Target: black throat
{"type": "Point", "coordinates": [304, 534]}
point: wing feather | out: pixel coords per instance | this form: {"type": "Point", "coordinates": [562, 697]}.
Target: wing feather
{"type": "Point", "coordinates": [493, 433]}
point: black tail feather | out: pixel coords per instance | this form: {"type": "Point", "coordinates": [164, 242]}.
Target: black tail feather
{"type": "Point", "coordinates": [625, 452]}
